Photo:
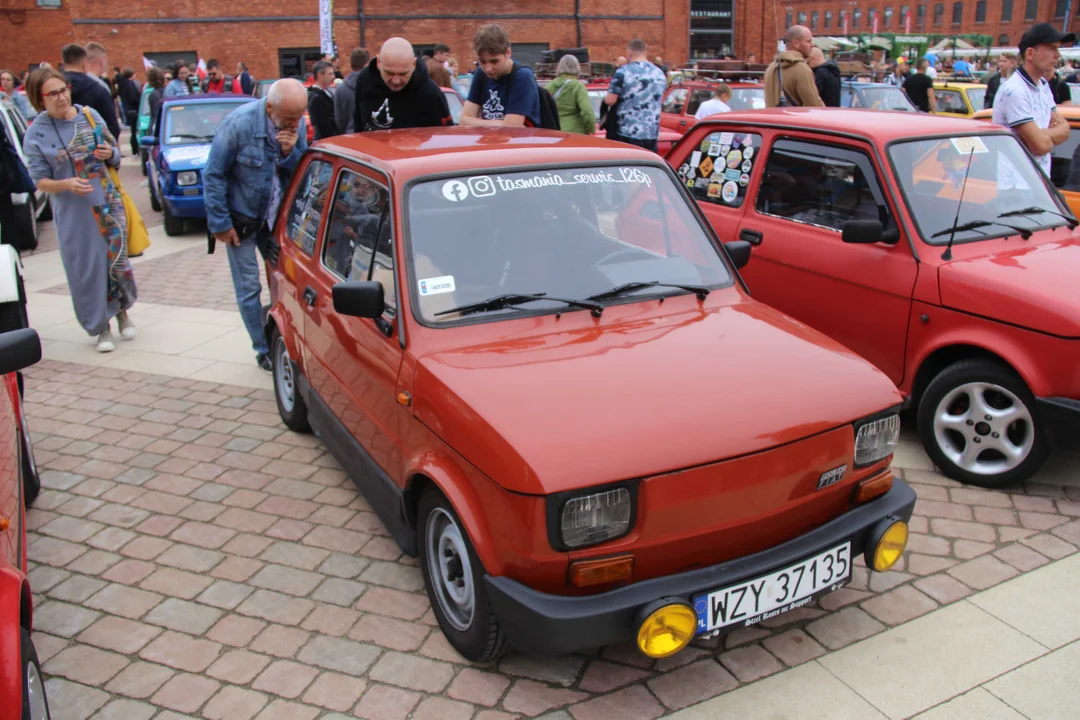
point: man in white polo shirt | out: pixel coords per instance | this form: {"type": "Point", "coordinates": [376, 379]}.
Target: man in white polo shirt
{"type": "Point", "coordinates": [1025, 103]}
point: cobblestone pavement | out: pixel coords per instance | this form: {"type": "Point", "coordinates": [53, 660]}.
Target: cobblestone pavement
{"type": "Point", "coordinates": [193, 558]}
{"type": "Point", "coordinates": [191, 555]}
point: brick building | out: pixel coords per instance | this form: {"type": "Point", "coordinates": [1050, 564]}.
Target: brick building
{"type": "Point", "coordinates": [1003, 20]}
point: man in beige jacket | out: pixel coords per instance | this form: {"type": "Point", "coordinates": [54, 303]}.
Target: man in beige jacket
{"type": "Point", "coordinates": [798, 79]}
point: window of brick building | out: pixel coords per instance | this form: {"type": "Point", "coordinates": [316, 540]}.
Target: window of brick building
{"type": "Point", "coordinates": [802, 18]}
{"type": "Point", "coordinates": [1003, 40]}
{"type": "Point", "coordinates": [887, 22]}
{"type": "Point", "coordinates": [904, 12]}
{"type": "Point", "coordinates": [1059, 9]}
{"type": "Point", "coordinates": [856, 18]}
{"type": "Point", "coordinates": [1006, 10]}
{"type": "Point", "coordinates": [957, 13]}
{"type": "Point", "coordinates": [980, 11]}
{"type": "Point", "coordinates": [813, 20]}
{"type": "Point", "coordinates": [939, 13]}
{"type": "Point", "coordinates": [920, 15]}
{"type": "Point", "coordinates": [1032, 10]}
{"type": "Point", "coordinates": [788, 19]}
{"type": "Point", "coordinates": [828, 19]}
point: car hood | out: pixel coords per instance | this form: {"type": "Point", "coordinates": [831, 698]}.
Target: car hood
{"type": "Point", "coordinates": [551, 411]}
{"type": "Point", "coordinates": [1032, 286]}
{"type": "Point", "coordinates": [187, 157]}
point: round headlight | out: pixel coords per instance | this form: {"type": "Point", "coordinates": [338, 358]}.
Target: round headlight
{"type": "Point", "coordinates": [667, 630]}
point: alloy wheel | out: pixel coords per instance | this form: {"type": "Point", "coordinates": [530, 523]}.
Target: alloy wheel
{"type": "Point", "coordinates": [984, 428]}
{"type": "Point", "coordinates": [35, 691]}
{"type": "Point", "coordinates": [450, 569]}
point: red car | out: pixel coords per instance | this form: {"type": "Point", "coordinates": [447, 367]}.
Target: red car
{"type": "Point", "coordinates": [543, 371]}
{"type": "Point", "coordinates": [681, 101]}
{"type": "Point", "coordinates": [21, 683]}
{"type": "Point", "coordinates": [934, 247]}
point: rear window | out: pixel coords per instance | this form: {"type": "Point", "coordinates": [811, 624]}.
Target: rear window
{"type": "Point", "coordinates": [747, 99]}
{"type": "Point", "coordinates": [718, 171]}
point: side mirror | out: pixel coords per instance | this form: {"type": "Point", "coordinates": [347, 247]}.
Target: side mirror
{"type": "Point", "coordinates": [739, 252]}
{"type": "Point", "coordinates": [863, 232]}
{"type": "Point", "coordinates": [148, 140]}
{"type": "Point", "coordinates": [361, 298]}
{"type": "Point", "coordinates": [19, 349]}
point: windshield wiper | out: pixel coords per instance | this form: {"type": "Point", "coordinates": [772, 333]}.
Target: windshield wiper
{"type": "Point", "coordinates": [699, 290]}
{"type": "Point", "coordinates": [502, 301]}
{"type": "Point", "coordinates": [1073, 222]}
{"type": "Point", "coordinates": [976, 224]}
{"type": "Point", "coordinates": [185, 136]}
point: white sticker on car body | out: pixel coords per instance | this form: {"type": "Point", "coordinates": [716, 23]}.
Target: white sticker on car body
{"type": "Point", "coordinates": [436, 285]}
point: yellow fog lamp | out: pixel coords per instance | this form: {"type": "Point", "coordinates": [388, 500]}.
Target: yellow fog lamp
{"type": "Point", "coordinates": [887, 543]}
{"type": "Point", "coordinates": [668, 627]}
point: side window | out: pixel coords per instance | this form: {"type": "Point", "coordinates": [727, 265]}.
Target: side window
{"type": "Point", "coordinates": [696, 99]}
{"type": "Point", "coordinates": [820, 185]}
{"type": "Point", "coordinates": [674, 101]}
{"type": "Point", "coordinates": [718, 170]}
{"type": "Point", "coordinates": [305, 213]}
{"type": "Point", "coordinates": [360, 208]}
{"type": "Point", "coordinates": [854, 96]}
{"type": "Point", "coordinates": [950, 101]}
{"type": "Point", "coordinates": [382, 267]}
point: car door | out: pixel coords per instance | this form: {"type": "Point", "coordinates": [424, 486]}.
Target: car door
{"type": "Point", "coordinates": [696, 98]}
{"type": "Point", "coordinates": [718, 166]}
{"type": "Point", "coordinates": [303, 219]}
{"type": "Point", "coordinates": [353, 363]}
{"type": "Point", "coordinates": [672, 108]}
{"type": "Point", "coordinates": [859, 294]}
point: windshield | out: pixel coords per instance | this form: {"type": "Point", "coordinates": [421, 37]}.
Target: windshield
{"type": "Point", "coordinates": [454, 101]}
{"type": "Point", "coordinates": [747, 99]}
{"type": "Point", "coordinates": [569, 233]}
{"type": "Point", "coordinates": [976, 97]}
{"type": "Point", "coordinates": [1003, 177]}
{"type": "Point", "coordinates": [194, 123]}
{"type": "Point", "coordinates": [596, 97]}
{"type": "Point", "coordinates": [1061, 158]}
{"type": "Point", "coordinates": [886, 98]}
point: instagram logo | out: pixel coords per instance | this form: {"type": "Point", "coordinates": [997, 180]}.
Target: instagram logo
{"type": "Point", "coordinates": [482, 186]}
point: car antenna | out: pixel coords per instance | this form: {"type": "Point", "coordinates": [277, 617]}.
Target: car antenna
{"type": "Point", "coordinates": [947, 255]}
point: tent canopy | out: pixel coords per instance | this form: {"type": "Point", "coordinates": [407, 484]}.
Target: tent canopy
{"type": "Point", "coordinates": [829, 43]}
{"type": "Point", "coordinates": [950, 43]}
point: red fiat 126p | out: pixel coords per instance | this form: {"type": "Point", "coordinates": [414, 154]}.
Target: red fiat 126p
{"type": "Point", "coordinates": [934, 247]}
{"type": "Point", "coordinates": [532, 355]}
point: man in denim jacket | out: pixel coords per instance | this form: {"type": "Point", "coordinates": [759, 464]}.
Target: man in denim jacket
{"type": "Point", "coordinates": [254, 153]}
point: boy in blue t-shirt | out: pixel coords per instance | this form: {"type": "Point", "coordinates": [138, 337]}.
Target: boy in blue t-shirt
{"type": "Point", "coordinates": [502, 93]}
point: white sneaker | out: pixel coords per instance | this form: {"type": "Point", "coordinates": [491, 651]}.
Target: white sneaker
{"type": "Point", "coordinates": [105, 342]}
{"type": "Point", "coordinates": [127, 328]}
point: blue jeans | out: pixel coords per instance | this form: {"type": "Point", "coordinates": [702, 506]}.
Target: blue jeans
{"type": "Point", "coordinates": [244, 266]}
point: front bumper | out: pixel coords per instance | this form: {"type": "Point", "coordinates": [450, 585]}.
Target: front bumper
{"type": "Point", "coordinates": [1061, 416]}
{"type": "Point", "coordinates": [186, 206]}
{"type": "Point", "coordinates": [537, 622]}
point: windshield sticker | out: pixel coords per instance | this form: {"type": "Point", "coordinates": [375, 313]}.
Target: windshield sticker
{"type": "Point", "coordinates": [969, 145]}
{"type": "Point", "coordinates": [437, 285]}
{"type": "Point", "coordinates": [454, 191]}
{"type": "Point", "coordinates": [484, 186]}
{"type": "Point", "coordinates": [725, 180]}
{"type": "Point", "coordinates": [730, 192]}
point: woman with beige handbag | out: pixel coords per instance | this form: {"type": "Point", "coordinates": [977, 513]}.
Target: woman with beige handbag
{"type": "Point", "coordinates": [70, 152]}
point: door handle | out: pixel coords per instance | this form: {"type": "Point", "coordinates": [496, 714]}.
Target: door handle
{"type": "Point", "coordinates": [682, 122]}
{"type": "Point", "coordinates": [384, 326]}
{"type": "Point", "coordinates": [754, 237]}
{"type": "Point", "coordinates": [310, 296]}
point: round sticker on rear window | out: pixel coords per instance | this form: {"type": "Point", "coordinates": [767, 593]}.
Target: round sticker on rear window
{"type": "Point", "coordinates": [734, 158]}
{"type": "Point", "coordinates": [730, 191]}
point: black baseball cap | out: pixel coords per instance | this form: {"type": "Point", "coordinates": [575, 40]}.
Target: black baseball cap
{"type": "Point", "coordinates": [1044, 34]}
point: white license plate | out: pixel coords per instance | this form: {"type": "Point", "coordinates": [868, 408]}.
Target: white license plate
{"type": "Point", "coordinates": [754, 600]}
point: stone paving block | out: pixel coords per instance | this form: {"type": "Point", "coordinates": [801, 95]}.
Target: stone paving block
{"type": "Point", "coordinates": [176, 583]}
{"type": "Point", "coordinates": [632, 703]}
{"type": "Point", "coordinates": [380, 702]}
{"type": "Point", "coordinates": [236, 569]}
{"type": "Point", "coordinates": [1020, 557]}
{"type": "Point", "coordinates": [72, 529]}
{"type": "Point", "coordinates": [750, 663]}
{"type": "Point", "coordinates": [286, 580]}
{"type": "Point", "coordinates": [124, 601]}
{"type": "Point", "coordinates": [235, 630]}
{"type": "Point", "coordinates": [982, 572]}
{"type": "Point", "coordinates": [225, 594]}
{"type": "Point", "coordinates": [438, 708]}
{"type": "Point", "coordinates": [943, 588]}
{"type": "Point", "coordinates": [76, 588]}
{"type": "Point", "coordinates": [185, 693]}
{"type": "Point", "coordinates": [337, 591]}
{"type": "Point", "coordinates": [485, 688]}
{"type": "Point", "coordinates": [394, 575]}
{"type": "Point", "coordinates": [691, 684]}
{"type": "Point", "coordinates": [968, 549]}
{"type": "Point", "coordinates": [558, 670]}
{"type": "Point", "coordinates": [119, 635]}
{"type": "Point", "coordinates": [53, 551]}
{"type": "Point", "coordinates": [140, 680]}
{"type": "Point", "coordinates": [233, 703]}
{"type": "Point", "coordinates": [1069, 532]}
{"type": "Point", "coordinates": [181, 652]}
{"type": "Point", "coordinates": [793, 647]}
{"type": "Point", "coordinates": [85, 664]}
{"type": "Point", "coordinates": [284, 710]}
{"type": "Point", "coordinates": [343, 566]}
{"type": "Point", "coordinates": [129, 572]}
{"type": "Point", "coordinates": [79, 702]}
{"type": "Point", "coordinates": [238, 666]}
{"type": "Point", "coordinates": [60, 618]}
{"type": "Point", "coordinates": [280, 641]}
{"type": "Point", "coordinates": [295, 555]}
{"type": "Point", "coordinates": [389, 633]}
{"type": "Point", "coordinates": [284, 678]}
{"type": "Point", "coordinates": [126, 710]}
{"type": "Point", "coordinates": [1052, 547]}
{"type": "Point", "coordinates": [412, 672]}
{"type": "Point", "coordinates": [335, 692]}
{"type": "Point", "coordinates": [383, 601]}
{"type": "Point", "coordinates": [899, 605]}
{"type": "Point", "coordinates": [962, 530]}
{"type": "Point", "coordinates": [843, 628]}
{"type": "Point", "coordinates": [183, 616]}
{"type": "Point", "coordinates": [330, 620]}
{"type": "Point", "coordinates": [532, 698]}
{"type": "Point", "coordinates": [343, 656]}
{"type": "Point", "coordinates": [276, 608]}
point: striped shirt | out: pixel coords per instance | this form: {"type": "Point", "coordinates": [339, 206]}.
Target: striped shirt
{"type": "Point", "coordinates": [1021, 100]}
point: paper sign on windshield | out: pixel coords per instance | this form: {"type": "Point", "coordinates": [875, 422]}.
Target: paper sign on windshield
{"type": "Point", "coordinates": [968, 145]}
{"type": "Point", "coordinates": [436, 285]}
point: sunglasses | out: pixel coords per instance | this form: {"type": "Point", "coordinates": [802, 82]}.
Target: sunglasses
{"type": "Point", "coordinates": [55, 94]}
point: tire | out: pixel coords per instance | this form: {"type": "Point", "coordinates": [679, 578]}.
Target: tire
{"type": "Point", "coordinates": [290, 405]}
{"type": "Point", "coordinates": [46, 214]}
{"type": "Point", "coordinates": [30, 477]}
{"type": "Point", "coordinates": [461, 606]}
{"type": "Point", "coordinates": [173, 225]}
{"type": "Point", "coordinates": [143, 159]}
{"type": "Point", "coordinates": [35, 706]}
{"type": "Point", "coordinates": [154, 204]}
{"type": "Point", "coordinates": [13, 314]}
{"type": "Point", "coordinates": [979, 424]}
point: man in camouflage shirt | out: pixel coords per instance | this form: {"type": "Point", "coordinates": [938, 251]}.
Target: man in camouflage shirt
{"type": "Point", "coordinates": [638, 88]}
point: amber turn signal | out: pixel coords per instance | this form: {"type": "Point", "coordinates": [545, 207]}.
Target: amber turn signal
{"type": "Point", "coordinates": [873, 487]}
{"type": "Point", "coordinates": [585, 573]}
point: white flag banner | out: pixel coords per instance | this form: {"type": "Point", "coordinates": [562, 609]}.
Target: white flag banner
{"type": "Point", "coordinates": [326, 26]}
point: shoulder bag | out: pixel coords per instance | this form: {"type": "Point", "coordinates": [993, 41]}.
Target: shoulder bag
{"type": "Point", "coordinates": [138, 238]}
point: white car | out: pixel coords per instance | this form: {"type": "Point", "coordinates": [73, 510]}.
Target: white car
{"type": "Point", "coordinates": [31, 209]}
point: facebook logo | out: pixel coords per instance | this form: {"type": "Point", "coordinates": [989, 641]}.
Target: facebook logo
{"type": "Point", "coordinates": [455, 191]}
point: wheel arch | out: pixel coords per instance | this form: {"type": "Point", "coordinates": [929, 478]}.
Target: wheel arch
{"type": "Point", "coordinates": [946, 355]}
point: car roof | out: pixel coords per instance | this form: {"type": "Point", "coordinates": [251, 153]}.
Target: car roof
{"type": "Point", "coordinates": [207, 98]}
{"type": "Point", "coordinates": [418, 152]}
{"type": "Point", "coordinates": [886, 126]}
{"type": "Point", "coordinates": [709, 85]}
{"type": "Point", "coordinates": [865, 83]}
{"type": "Point", "coordinates": [958, 85]}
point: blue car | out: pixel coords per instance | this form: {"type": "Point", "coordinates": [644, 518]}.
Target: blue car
{"type": "Point", "coordinates": [178, 152]}
{"type": "Point", "coordinates": [876, 96]}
